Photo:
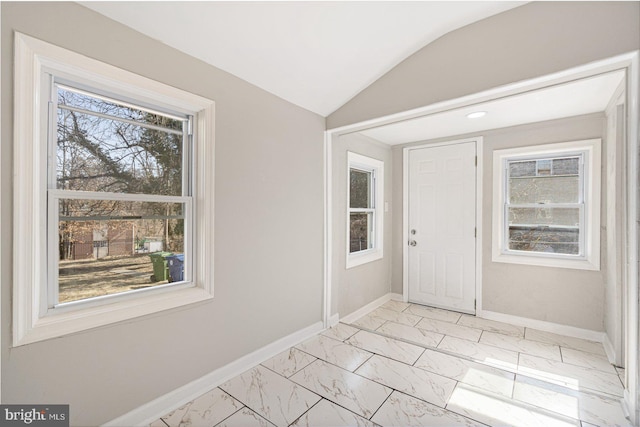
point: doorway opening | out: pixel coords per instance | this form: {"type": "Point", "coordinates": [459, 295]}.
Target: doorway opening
{"type": "Point", "coordinates": [431, 124]}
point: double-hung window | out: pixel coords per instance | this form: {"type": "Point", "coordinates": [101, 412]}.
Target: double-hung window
{"type": "Point", "coordinates": [365, 193]}
{"type": "Point", "coordinates": [547, 204]}
{"type": "Point", "coordinates": [113, 197]}
{"type": "Point", "coordinates": [119, 196]}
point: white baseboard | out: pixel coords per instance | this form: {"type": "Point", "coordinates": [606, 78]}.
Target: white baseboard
{"type": "Point", "coordinates": [367, 308]}
{"type": "Point", "coordinates": [608, 348]}
{"type": "Point", "coordinates": [556, 328]}
{"type": "Point", "coordinates": [397, 297]}
{"type": "Point", "coordinates": [151, 411]}
{"type": "Point", "coordinates": [334, 320]}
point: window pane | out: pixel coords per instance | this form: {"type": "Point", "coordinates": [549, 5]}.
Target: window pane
{"type": "Point", "coordinates": [101, 154]}
{"type": "Point", "coordinates": [554, 230]}
{"type": "Point", "coordinates": [89, 103]}
{"type": "Point", "coordinates": [544, 239]}
{"type": "Point", "coordinates": [526, 168]}
{"type": "Point", "coordinates": [360, 189]}
{"type": "Point", "coordinates": [551, 189]}
{"type": "Point", "coordinates": [360, 228]}
{"type": "Point", "coordinates": [543, 167]}
{"type": "Point", "coordinates": [567, 166]}
{"type": "Point", "coordinates": [568, 217]}
{"type": "Point", "coordinates": [550, 180]}
{"type": "Point", "coordinates": [110, 247]}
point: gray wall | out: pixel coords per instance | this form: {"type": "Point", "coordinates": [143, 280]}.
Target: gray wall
{"type": "Point", "coordinates": [535, 39]}
{"type": "Point", "coordinates": [268, 234]}
{"type": "Point", "coordinates": [358, 286]}
{"type": "Point", "coordinates": [558, 295]}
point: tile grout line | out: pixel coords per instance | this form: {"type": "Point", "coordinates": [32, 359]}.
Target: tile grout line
{"type": "Point", "coordinates": [331, 363]}
{"type": "Point", "coordinates": [377, 332]}
{"type": "Point", "coordinates": [378, 382]}
{"type": "Point", "coordinates": [360, 365]}
{"type": "Point", "coordinates": [188, 405]}
{"type": "Point", "coordinates": [235, 412]}
{"type": "Point", "coordinates": [285, 377]}
{"type": "Point", "coordinates": [389, 357]}
{"type": "Point", "coordinates": [308, 409]}
{"type": "Point", "coordinates": [343, 324]}
{"type": "Point", "coordinates": [441, 339]}
{"type": "Point", "coordinates": [515, 378]}
{"type": "Point", "coordinates": [464, 357]}
{"type": "Point", "coordinates": [437, 348]}
{"type": "Point", "coordinates": [555, 342]}
{"type": "Point", "coordinates": [293, 382]}
{"type": "Point", "coordinates": [393, 389]}
{"type": "Point", "coordinates": [354, 373]}
{"type": "Point", "coordinates": [347, 409]}
{"type": "Point", "coordinates": [243, 403]}
{"type": "Point", "coordinates": [381, 405]}
{"type": "Point", "coordinates": [522, 404]}
{"type": "Point", "coordinates": [459, 414]}
{"type": "Point", "coordinates": [424, 348]}
{"type": "Point", "coordinates": [442, 333]}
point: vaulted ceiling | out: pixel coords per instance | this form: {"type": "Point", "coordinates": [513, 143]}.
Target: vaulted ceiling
{"type": "Point", "coordinates": [320, 54]}
{"type": "Point", "coordinates": [317, 55]}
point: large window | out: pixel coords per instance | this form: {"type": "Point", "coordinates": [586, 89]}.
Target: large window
{"type": "Point", "coordinates": [547, 210]}
{"type": "Point", "coordinates": [365, 193]}
{"type": "Point", "coordinates": [113, 196]}
{"type": "Point", "coordinates": [119, 196]}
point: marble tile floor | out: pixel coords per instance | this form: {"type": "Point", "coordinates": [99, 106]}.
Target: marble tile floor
{"type": "Point", "coordinates": [410, 365]}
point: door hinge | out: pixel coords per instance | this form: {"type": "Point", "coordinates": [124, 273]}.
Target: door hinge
{"type": "Point", "coordinates": [475, 232]}
{"type": "Point", "coordinates": [476, 161]}
{"type": "Point", "coordinates": [475, 304]}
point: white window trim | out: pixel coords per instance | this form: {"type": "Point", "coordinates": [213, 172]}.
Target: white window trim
{"type": "Point", "coordinates": [365, 163]}
{"type": "Point", "coordinates": [592, 184]}
{"type": "Point", "coordinates": [33, 59]}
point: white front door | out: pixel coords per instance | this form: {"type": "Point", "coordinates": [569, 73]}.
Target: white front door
{"type": "Point", "coordinates": [442, 226]}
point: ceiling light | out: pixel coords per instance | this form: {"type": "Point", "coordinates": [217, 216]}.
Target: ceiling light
{"type": "Point", "coordinates": [476, 114]}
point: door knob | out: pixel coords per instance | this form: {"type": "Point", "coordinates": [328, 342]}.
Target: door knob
{"type": "Point", "coordinates": [413, 243]}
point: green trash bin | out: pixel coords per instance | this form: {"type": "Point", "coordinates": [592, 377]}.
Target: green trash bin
{"type": "Point", "coordinates": [160, 268]}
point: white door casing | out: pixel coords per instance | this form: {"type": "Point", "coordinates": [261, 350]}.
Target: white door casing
{"type": "Point", "coordinates": [442, 226]}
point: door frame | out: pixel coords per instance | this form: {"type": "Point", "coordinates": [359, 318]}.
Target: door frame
{"type": "Point", "coordinates": [479, 144]}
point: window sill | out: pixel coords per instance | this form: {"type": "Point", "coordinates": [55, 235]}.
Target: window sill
{"type": "Point", "coordinates": [60, 324]}
{"type": "Point", "coordinates": [364, 257]}
{"type": "Point", "coordinates": [542, 261]}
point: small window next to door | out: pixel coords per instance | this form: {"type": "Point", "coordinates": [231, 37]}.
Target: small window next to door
{"type": "Point", "coordinates": [547, 205]}
{"type": "Point", "coordinates": [365, 195]}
